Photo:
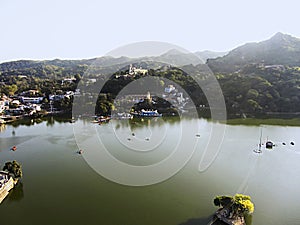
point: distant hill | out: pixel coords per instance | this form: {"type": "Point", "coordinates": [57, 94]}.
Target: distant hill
{"type": "Point", "coordinates": [205, 55]}
{"type": "Point", "coordinates": [281, 49]}
{"type": "Point", "coordinates": [105, 64]}
{"type": "Point", "coordinates": [178, 58]}
{"type": "Point", "coordinates": [29, 64]}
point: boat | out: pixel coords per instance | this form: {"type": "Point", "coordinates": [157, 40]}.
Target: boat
{"type": "Point", "coordinates": [14, 148]}
{"type": "Point", "coordinates": [269, 144]}
{"type": "Point", "coordinates": [147, 113]}
{"type": "Point", "coordinates": [259, 145]}
{"type": "Point", "coordinates": [122, 116]}
{"type": "Point", "coordinates": [6, 184]}
{"type": "Point", "coordinates": [103, 119]}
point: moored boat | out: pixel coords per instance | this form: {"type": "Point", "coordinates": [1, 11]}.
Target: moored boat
{"type": "Point", "coordinates": [147, 113]}
{"type": "Point", "coordinates": [6, 184]}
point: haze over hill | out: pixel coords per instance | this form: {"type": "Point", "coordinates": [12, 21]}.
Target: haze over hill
{"type": "Point", "coordinates": [281, 49]}
{"type": "Point", "coordinates": [172, 57]}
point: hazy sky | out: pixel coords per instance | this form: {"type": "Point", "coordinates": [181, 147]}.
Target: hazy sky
{"type": "Point", "coordinates": [47, 29]}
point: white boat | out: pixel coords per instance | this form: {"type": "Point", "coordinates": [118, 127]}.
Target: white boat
{"type": "Point", "coordinates": [259, 145]}
{"type": "Point", "coordinates": [122, 116]}
{"type": "Point", "coordinates": [6, 184]}
{"type": "Point", "coordinates": [147, 113]}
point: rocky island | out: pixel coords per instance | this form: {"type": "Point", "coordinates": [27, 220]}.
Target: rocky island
{"type": "Point", "coordinates": [233, 209]}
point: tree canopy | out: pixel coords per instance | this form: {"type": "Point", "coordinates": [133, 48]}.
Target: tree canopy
{"type": "Point", "coordinates": [13, 168]}
{"type": "Point", "coordinates": [238, 203]}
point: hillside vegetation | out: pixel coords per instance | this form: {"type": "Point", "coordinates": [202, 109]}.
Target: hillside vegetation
{"type": "Point", "coordinates": [257, 79]}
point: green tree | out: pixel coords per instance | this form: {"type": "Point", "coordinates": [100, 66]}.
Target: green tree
{"type": "Point", "coordinates": [239, 203]}
{"type": "Point", "coordinates": [11, 89]}
{"type": "Point", "coordinates": [13, 168]}
{"type": "Point", "coordinates": [253, 105]}
{"type": "Point", "coordinates": [244, 203]}
{"type": "Point", "coordinates": [252, 94]}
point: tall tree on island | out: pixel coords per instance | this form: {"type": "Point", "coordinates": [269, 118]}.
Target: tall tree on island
{"type": "Point", "coordinates": [13, 168]}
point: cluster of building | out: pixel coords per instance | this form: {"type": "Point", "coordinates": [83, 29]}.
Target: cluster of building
{"type": "Point", "coordinates": [67, 94]}
{"type": "Point", "coordinates": [270, 67]}
{"type": "Point", "coordinates": [174, 96]}
{"type": "Point", "coordinates": [170, 94]}
{"type": "Point", "coordinates": [133, 71]}
{"type": "Point", "coordinates": [28, 103]}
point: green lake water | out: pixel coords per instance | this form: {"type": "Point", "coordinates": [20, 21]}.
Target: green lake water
{"type": "Point", "coordinates": [59, 186]}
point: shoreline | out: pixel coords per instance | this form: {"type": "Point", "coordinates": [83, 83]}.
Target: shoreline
{"type": "Point", "coordinates": [295, 122]}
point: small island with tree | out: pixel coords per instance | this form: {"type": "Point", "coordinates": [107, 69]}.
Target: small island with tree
{"type": "Point", "coordinates": [233, 209]}
{"type": "Point", "coordinates": [9, 177]}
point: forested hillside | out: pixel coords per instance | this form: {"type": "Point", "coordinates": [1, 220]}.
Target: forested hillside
{"type": "Point", "coordinates": [256, 79]}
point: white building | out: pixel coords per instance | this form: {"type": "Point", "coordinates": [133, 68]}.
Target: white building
{"type": "Point", "coordinates": [68, 80]}
{"type": "Point", "coordinates": [91, 80]}
{"type": "Point", "coordinates": [4, 103]}
{"type": "Point", "coordinates": [169, 88]}
{"type": "Point", "coordinates": [56, 97]}
{"type": "Point", "coordinates": [32, 100]}
{"type": "Point", "coordinates": [134, 70]}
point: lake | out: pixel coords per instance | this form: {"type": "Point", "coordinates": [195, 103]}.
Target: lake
{"type": "Point", "coordinates": [171, 171]}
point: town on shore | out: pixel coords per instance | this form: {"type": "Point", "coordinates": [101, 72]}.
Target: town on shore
{"type": "Point", "coordinates": [34, 103]}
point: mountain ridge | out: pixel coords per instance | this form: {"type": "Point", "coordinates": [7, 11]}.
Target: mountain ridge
{"type": "Point", "coordinates": [281, 49]}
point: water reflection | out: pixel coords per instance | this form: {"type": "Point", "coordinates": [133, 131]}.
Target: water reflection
{"type": "Point", "coordinates": [16, 194]}
{"type": "Point", "coordinates": [248, 219]}
{"type": "Point", "coordinates": [23, 122]}
{"type": "Point", "coordinates": [198, 221]}
{"type": "Point", "coordinates": [50, 121]}
{"type": "Point", "coordinates": [209, 220]}
{"type": "Point", "coordinates": [137, 123]}
{"type": "Point", "coordinates": [2, 127]}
